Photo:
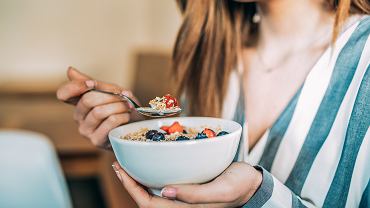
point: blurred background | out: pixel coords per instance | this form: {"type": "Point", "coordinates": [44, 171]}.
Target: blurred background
{"type": "Point", "coordinates": [127, 42]}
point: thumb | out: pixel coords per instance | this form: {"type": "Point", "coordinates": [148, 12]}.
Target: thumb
{"type": "Point", "coordinates": [194, 193]}
{"type": "Point", "coordinates": [74, 74]}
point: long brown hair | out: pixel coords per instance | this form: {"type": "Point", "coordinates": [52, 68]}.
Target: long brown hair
{"type": "Point", "coordinates": [212, 35]}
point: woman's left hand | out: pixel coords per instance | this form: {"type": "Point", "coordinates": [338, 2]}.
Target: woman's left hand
{"type": "Point", "coordinates": [233, 188]}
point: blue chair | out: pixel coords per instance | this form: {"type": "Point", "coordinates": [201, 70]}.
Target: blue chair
{"type": "Point", "coordinates": [30, 173]}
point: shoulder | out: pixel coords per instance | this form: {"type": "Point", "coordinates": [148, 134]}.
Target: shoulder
{"type": "Point", "coordinates": [360, 22]}
{"type": "Point", "coordinates": [361, 29]}
{"type": "Point", "coordinates": [356, 27]}
{"type": "Point", "coordinates": [352, 59]}
{"type": "Point", "coordinates": [360, 42]}
{"type": "Point", "coordinates": [361, 36]}
{"type": "Point", "coordinates": [354, 42]}
{"type": "Point", "coordinates": [365, 21]}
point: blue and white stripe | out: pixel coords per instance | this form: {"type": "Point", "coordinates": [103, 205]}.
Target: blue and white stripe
{"type": "Point", "coordinates": [317, 153]}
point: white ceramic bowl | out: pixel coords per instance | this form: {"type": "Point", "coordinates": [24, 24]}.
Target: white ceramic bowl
{"type": "Point", "coordinates": [157, 164]}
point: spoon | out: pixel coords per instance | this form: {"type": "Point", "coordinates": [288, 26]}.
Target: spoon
{"type": "Point", "coordinates": [146, 111]}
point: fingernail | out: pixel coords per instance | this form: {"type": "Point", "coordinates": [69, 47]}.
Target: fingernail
{"type": "Point", "coordinates": [118, 175]}
{"type": "Point", "coordinates": [168, 192]}
{"type": "Point", "coordinates": [127, 93]}
{"type": "Point", "coordinates": [90, 83]}
{"type": "Point", "coordinates": [117, 172]}
{"type": "Point", "coordinates": [114, 167]}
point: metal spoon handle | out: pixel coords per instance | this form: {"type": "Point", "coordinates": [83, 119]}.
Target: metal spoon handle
{"type": "Point", "coordinates": [119, 94]}
{"type": "Point", "coordinates": [74, 100]}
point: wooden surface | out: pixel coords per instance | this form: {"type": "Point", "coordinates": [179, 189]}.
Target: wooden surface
{"type": "Point", "coordinates": [41, 112]}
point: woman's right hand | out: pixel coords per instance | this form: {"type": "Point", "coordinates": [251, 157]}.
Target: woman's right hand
{"type": "Point", "coordinates": [96, 113]}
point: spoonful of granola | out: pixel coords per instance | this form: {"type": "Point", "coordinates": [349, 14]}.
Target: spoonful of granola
{"type": "Point", "coordinates": [159, 107]}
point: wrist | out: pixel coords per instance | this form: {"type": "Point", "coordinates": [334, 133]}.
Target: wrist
{"type": "Point", "coordinates": [255, 184]}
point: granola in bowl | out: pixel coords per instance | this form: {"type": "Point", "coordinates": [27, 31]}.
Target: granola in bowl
{"type": "Point", "coordinates": [156, 164]}
{"type": "Point", "coordinates": [174, 132]}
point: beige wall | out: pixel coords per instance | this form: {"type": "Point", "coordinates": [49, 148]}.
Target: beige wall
{"type": "Point", "coordinates": [40, 38]}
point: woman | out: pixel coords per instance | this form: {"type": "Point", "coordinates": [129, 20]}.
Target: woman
{"type": "Point", "coordinates": [299, 86]}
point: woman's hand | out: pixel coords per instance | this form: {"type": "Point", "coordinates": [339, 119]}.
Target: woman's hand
{"type": "Point", "coordinates": [96, 113]}
{"type": "Point", "coordinates": [233, 188]}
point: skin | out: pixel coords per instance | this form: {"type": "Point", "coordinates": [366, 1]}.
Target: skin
{"type": "Point", "coordinates": [292, 43]}
{"type": "Point", "coordinates": [96, 113]}
{"type": "Point", "coordinates": [214, 194]}
{"type": "Point", "coordinates": [267, 93]}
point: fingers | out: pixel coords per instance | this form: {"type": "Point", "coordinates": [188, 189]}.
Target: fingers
{"type": "Point", "coordinates": [101, 112]}
{"type": "Point", "coordinates": [102, 86]}
{"type": "Point", "coordinates": [71, 89]}
{"type": "Point", "coordinates": [74, 74]}
{"type": "Point", "coordinates": [74, 88]}
{"type": "Point", "coordinates": [110, 123]}
{"type": "Point", "coordinates": [144, 199]}
{"type": "Point", "coordinates": [98, 113]}
{"type": "Point", "coordinates": [226, 188]}
{"type": "Point", "coordinates": [80, 83]}
{"type": "Point", "coordinates": [207, 193]}
{"type": "Point", "coordinates": [140, 195]}
{"type": "Point", "coordinates": [90, 100]}
{"type": "Point", "coordinates": [99, 136]}
{"type": "Point", "coordinates": [137, 192]}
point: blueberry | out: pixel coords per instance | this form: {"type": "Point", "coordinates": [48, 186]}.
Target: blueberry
{"type": "Point", "coordinates": [221, 133]}
{"type": "Point", "coordinates": [149, 134]}
{"type": "Point", "coordinates": [182, 138]}
{"type": "Point", "coordinates": [201, 136]}
{"type": "Point", "coordinates": [158, 137]}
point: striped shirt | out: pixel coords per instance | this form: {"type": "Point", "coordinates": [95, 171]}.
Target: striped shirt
{"type": "Point", "coordinates": [317, 153]}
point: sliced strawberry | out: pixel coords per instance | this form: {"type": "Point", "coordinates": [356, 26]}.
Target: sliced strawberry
{"type": "Point", "coordinates": [176, 102]}
{"type": "Point", "coordinates": [175, 127]}
{"type": "Point", "coordinates": [209, 132]}
{"type": "Point", "coordinates": [170, 101]}
{"type": "Point", "coordinates": [165, 128]}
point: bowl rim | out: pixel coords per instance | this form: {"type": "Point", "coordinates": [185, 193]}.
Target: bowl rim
{"type": "Point", "coordinates": [171, 143]}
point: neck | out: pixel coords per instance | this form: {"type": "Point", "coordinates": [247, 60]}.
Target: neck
{"type": "Point", "coordinates": [291, 19]}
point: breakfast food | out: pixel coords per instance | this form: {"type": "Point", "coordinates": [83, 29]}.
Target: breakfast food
{"type": "Point", "coordinates": [164, 103]}
{"type": "Point", "coordinates": [161, 107]}
{"type": "Point", "coordinates": [174, 132]}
